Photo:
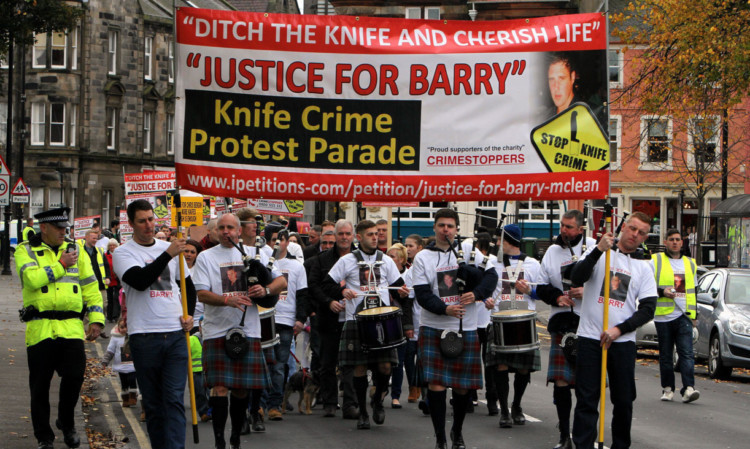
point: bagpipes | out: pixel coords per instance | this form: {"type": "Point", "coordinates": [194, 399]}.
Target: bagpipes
{"type": "Point", "coordinates": [236, 345]}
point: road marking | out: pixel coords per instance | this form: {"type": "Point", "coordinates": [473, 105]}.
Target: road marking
{"type": "Point", "coordinates": [135, 424]}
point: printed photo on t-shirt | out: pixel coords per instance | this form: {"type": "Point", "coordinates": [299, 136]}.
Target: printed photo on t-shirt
{"type": "Point", "coordinates": [618, 286]}
{"type": "Point", "coordinates": [285, 273]}
{"type": "Point", "coordinates": [447, 285]}
{"type": "Point", "coordinates": [369, 276]}
{"type": "Point", "coordinates": [232, 279]}
{"type": "Point", "coordinates": [679, 283]}
{"type": "Point", "coordinates": [163, 283]}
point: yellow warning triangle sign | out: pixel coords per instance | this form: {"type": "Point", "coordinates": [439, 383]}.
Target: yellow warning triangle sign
{"type": "Point", "coordinates": [572, 141]}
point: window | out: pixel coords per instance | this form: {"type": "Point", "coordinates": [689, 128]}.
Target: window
{"type": "Point", "coordinates": [3, 60]}
{"type": "Point", "coordinates": [323, 8]}
{"type": "Point", "coordinates": [74, 47]}
{"type": "Point", "coordinates": [59, 50]}
{"type": "Point", "coordinates": [3, 123]}
{"type": "Point", "coordinates": [148, 49]}
{"type": "Point", "coordinates": [106, 207]}
{"type": "Point", "coordinates": [703, 141]}
{"type": "Point", "coordinates": [413, 13]}
{"type": "Point", "coordinates": [538, 211]}
{"type": "Point", "coordinates": [113, 44]}
{"type": "Point", "coordinates": [55, 197]}
{"type": "Point", "coordinates": [37, 201]}
{"type": "Point", "coordinates": [656, 143]}
{"type": "Point", "coordinates": [147, 116]}
{"type": "Point", "coordinates": [73, 129]}
{"type": "Point", "coordinates": [432, 13]}
{"type": "Point", "coordinates": [57, 124]}
{"type": "Point", "coordinates": [38, 114]}
{"type": "Point", "coordinates": [112, 128]}
{"type": "Point", "coordinates": [615, 68]}
{"type": "Point", "coordinates": [170, 133]}
{"type": "Point", "coordinates": [170, 68]}
{"type": "Point", "coordinates": [39, 52]}
{"type": "Point", "coordinates": [615, 137]}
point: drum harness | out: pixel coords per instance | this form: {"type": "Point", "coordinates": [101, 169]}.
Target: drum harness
{"type": "Point", "coordinates": [371, 300]}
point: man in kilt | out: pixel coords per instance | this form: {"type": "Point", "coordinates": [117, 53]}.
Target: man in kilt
{"type": "Point", "coordinates": [224, 312]}
{"type": "Point", "coordinates": [435, 272]}
{"type": "Point", "coordinates": [515, 271]}
{"type": "Point", "coordinates": [557, 266]}
{"type": "Point", "coordinates": [362, 278]}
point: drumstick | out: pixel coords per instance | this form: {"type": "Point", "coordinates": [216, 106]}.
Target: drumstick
{"type": "Point", "coordinates": [530, 283]}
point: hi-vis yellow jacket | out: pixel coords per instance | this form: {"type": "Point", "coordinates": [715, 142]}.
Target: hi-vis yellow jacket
{"type": "Point", "coordinates": [48, 286]}
{"type": "Point", "coordinates": [100, 257]}
{"type": "Point", "coordinates": [665, 279]}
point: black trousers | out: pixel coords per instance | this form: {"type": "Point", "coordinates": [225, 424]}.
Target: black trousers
{"type": "Point", "coordinates": [113, 303]}
{"type": "Point", "coordinates": [329, 356]}
{"type": "Point", "coordinates": [68, 359]}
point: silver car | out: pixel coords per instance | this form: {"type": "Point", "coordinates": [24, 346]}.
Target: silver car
{"type": "Point", "coordinates": [724, 320]}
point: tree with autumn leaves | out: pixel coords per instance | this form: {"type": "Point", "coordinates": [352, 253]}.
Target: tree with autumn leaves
{"type": "Point", "coordinates": [689, 61]}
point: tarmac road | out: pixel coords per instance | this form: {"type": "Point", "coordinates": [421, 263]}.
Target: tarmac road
{"type": "Point", "coordinates": [717, 420]}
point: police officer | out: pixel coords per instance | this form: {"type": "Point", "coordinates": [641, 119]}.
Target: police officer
{"type": "Point", "coordinates": [58, 289]}
{"type": "Point", "coordinates": [28, 231]}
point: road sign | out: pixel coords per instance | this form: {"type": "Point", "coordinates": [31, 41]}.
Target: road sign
{"type": "Point", "coordinates": [4, 183]}
{"type": "Point", "coordinates": [572, 141]}
{"type": "Point", "coordinates": [20, 193]}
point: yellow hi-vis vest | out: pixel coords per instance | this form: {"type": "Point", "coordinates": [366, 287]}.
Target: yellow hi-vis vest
{"type": "Point", "coordinates": [100, 256]}
{"type": "Point", "coordinates": [665, 279]}
{"type": "Point", "coordinates": [25, 233]}
{"type": "Point", "coordinates": [49, 286]}
{"type": "Point", "coordinates": [196, 353]}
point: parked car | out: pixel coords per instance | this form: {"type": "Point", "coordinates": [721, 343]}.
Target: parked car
{"type": "Point", "coordinates": [645, 336]}
{"type": "Point", "coordinates": [724, 320]}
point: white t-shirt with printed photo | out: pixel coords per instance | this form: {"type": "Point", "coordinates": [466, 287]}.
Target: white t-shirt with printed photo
{"type": "Point", "coordinates": [530, 270]}
{"type": "Point", "coordinates": [438, 269]}
{"type": "Point", "coordinates": [630, 281]}
{"type": "Point", "coordinates": [296, 278]}
{"type": "Point", "coordinates": [357, 277]}
{"type": "Point", "coordinates": [555, 262]}
{"type": "Point", "coordinates": [220, 270]}
{"type": "Point", "coordinates": [484, 315]}
{"type": "Point", "coordinates": [159, 307]}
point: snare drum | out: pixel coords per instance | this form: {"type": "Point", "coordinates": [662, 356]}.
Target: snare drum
{"type": "Point", "coordinates": [268, 336]}
{"type": "Point", "coordinates": [514, 331]}
{"type": "Point", "coordinates": [380, 328]}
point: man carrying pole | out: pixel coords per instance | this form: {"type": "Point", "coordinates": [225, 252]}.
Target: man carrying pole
{"type": "Point", "coordinates": [619, 340]}
{"type": "Point", "coordinates": [156, 324]}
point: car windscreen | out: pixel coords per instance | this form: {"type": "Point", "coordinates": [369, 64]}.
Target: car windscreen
{"type": "Point", "coordinates": [738, 289]}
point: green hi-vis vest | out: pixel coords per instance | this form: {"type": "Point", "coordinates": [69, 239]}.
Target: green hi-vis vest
{"type": "Point", "coordinates": [196, 353]}
{"type": "Point", "coordinates": [665, 279]}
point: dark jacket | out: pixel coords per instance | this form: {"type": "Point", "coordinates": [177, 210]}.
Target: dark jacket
{"type": "Point", "coordinates": [318, 268]}
{"type": "Point", "coordinates": [311, 251]}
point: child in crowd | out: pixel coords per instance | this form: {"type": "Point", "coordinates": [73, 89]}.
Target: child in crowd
{"type": "Point", "coordinates": [118, 352]}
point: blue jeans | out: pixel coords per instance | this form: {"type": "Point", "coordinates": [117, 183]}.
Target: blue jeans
{"type": "Point", "coordinates": [677, 332]}
{"type": "Point", "coordinates": [281, 355]}
{"type": "Point", "coordinates": [621, 375]}
{"type": "Point", "coordinates": [161, 366]}
{"type": "Point", "coordinates": [398, 373]}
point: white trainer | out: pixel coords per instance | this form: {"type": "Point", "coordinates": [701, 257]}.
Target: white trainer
{"type": "Point", "coordinates": [667, 394]}
{"type": "Point", "coordinates": [690, 395]}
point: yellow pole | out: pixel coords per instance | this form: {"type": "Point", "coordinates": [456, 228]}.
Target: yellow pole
{"type": "Point", "coordinates": [605, 326]}
{"type": "Point", "coordinates": [183, 289]}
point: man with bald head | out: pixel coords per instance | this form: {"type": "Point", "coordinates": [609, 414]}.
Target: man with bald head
{"type": "Point", "coordinates": [230, 301]}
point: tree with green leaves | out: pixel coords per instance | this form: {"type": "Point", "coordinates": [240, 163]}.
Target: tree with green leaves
{"type": "Point", "coordinates": [20, 19]}
{"type": "Point", "coordinates": [689, 61]}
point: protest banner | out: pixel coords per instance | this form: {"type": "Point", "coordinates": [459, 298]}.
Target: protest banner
{"type": "Point", "coordinates": [126, 231]}
{"type": "Point", "coordinates": [83, 224]}
{"type": "Point", "coordinates": [417, 110]}
{"type": "Point", "coordinates": [287, 208]}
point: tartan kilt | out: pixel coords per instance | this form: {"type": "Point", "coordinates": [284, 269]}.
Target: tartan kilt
{"type": "Point", "coordinates": [529, 360]}
{"type": "Point", "coordinates": [558, 367]}
{"type": "Point", "coordinates": [464, 371]}
{"type": "Point", "coordinates": [351, 353]}
{"type": "Point", "coordinates": [247, 373]}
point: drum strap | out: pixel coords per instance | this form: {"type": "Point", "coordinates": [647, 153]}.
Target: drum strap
{"type": "Point", "coordinates": [513, 275]}
{"type": "Point", "coordinates": [378, 260]}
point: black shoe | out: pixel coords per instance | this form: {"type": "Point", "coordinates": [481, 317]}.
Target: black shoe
{"type": "Point", "coordinates": [46, 445]}
{"type": "Point", "coordinates": [329, 411]}
{"type": "Point", "coordinates": [424, 407]}
{"type": "Point", "coordinates": [492, 411]}
{"type": "Point", "coordinates": [565, 443]}
{"type": "Point", "coordinates": [441, 445]}
{"type": "Point", "coordinates": [517, 413]}
{"type": "Point", "coordinates": [364, 422]}
{"type": "Point", "coordinates": [220, 443]}
{"type": "Point", "coordinates": [378, 412]}
{"type": "Point", "coordinates": [70, 436]}
{"type": "Point", "coordinates": [234, 441]}
{"type": "Point", "coordinates": [289, 407]}
{"type": "Point", "coordinates": [458, 441]}
{"type": "Point", "coordinates": [470, 407]}
{"type": "Point", "coordinates": [257, 422]}
{"type": "Point", "coordinates": [505, 421]}
{"type": "Point", "coordinates": [350, 412]}
{"type": "Point", "coordinates": [246, 425]}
